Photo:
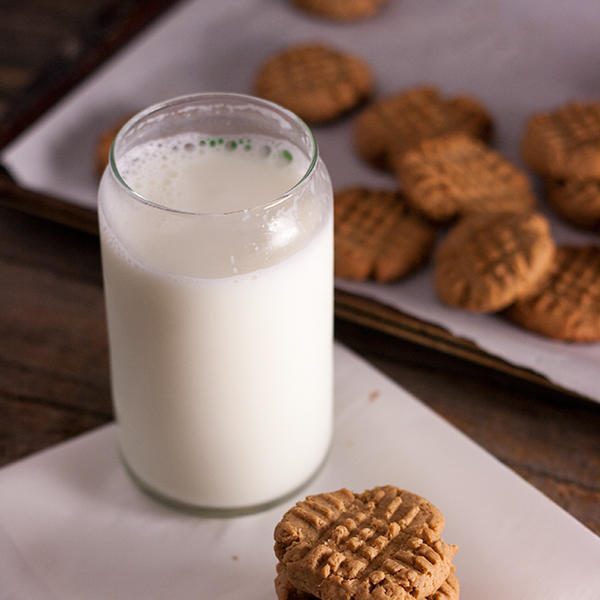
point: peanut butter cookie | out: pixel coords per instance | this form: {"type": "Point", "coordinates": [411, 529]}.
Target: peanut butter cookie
{"type": "Point", "coordinates": [285, 590]}
{"type": "Point", "coordinates": [565, 143]}
{"type": "Point", "coordinates": [568, 306]}
{"type": "Point", "coordinates": [488, 261]}
{"type": "Point", "coordinates": [457, 174]}
{"type": "Point", "coordinates": [576, 200]}
{"type": "Point", "coordinates": [342, 10]}
{"type": "Point", "coordinates": [378, 235]}
{"type": "Point", "coordinates": [393, 125]}
{"type": "Point", "coordinates": [316, 82]}
{"type": "Point", "coordinates": [449, 590]}
{"type": "Point", "coordinates": [383, 543]}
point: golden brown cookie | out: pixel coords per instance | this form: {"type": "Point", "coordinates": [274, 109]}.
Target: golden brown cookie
{"type": "Point", "coordinates": [383, 543]}
{"type": "Point", "coordinates": [449, 590]}
{"type": "Point", "coordinates": [565, 143]}
{"type": "Point", "coordinates": [457, 174]}
{"type": "Point", "coordinates": [568, 306]}
{"type": "Point", "coordinates": [576, 200]}
{"type": "Point", "coordinates": [316, 82]}
{"type": "Point", "coordinates": [342, 10]}
{"type": "Point", "coordinates": [104, 143]}
{"type": "Point", "coordinates": [378, 235]}
{"type": "Point", "coordinates": [488, 261]}
{"type": "Point", "coordinates": [397, 123]}
{"type": "Point", "coordinates": [285, 590]}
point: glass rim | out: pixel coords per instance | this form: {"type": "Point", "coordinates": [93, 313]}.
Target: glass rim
{"type": "Point", "coordinates": [189, 98]}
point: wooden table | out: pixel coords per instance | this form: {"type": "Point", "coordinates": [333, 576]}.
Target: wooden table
{"type": "Point", "coordinates": [54, 379]}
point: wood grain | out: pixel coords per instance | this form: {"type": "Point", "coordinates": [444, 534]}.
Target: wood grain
{"type": "Point", "coordinates": [46, 47]}
{"type": "Point", "coordinates": [54, 380]}
{"type": "Point", "coordinates": [53, 349]}
{"type": "Point", "coordinates": [45, 206]}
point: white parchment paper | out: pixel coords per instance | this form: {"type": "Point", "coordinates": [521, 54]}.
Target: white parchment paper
{"type": "Point", "coordinates": [518, 57]}
{"type": "Point", "coordinates": [73, 527]}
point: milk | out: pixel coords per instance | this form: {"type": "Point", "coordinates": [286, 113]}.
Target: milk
{"type": "Point", "coordinates": [220, 343]}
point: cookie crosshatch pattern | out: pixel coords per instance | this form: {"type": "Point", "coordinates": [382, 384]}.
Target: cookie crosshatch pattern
{"type": "Point", "coordinates": [394, 124]}
{"type": "Point", "coordinates": [457, 174]}
{"type": "Point", "coordinates": [316, 82]}
{"type": "Point", "coordinates": [568, 306]}
{"type": "Point", "coordinates": [385, 542]}
{"type": "Point", "coordinates": [487, 262]}
{"type": "Point", "coordinates": [566, 142]}
{"type": "Point", "coordinates": [576, 200]}
{"type": "Point", "coordinates": [378, 235]}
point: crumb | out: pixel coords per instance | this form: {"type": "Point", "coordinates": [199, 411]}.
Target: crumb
{"type": "Point", "coordinates": [374, 395]}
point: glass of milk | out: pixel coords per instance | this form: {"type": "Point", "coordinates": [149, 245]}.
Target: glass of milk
{"type": "Point", "coordinates": [216, 229]}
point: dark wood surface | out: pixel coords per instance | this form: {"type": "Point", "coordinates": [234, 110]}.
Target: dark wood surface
{"type": "Point", "coordinates": [54, 380]}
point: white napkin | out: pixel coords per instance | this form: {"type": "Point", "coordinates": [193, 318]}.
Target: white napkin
{"type": "Point", "coordinates": [73, 526]}
{"type": "Point", "coordinates": [518, 57]}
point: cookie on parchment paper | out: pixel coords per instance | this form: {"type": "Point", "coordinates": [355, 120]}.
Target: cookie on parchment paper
{"type": "Point", "coordinates": [342, 10]}
{"type": "Point", "coordinates": [457, 174]}
{"type": "Point", "coordinates": [487, 261]}
{"type": "Point", "coordinates": [378, 235]}
{"type": "Point", "coordinates": [383, 543]}
{"type": "Point", "coordinates": [565, 143]}
{"type": "Point", "coordinates": [314, 81]}
{"type": "Point", "coordinates": [576, 200]}
{"type": "Point", "coordinates": [568, 306]}
{"type": "Point", "coordinates": [393, 125]}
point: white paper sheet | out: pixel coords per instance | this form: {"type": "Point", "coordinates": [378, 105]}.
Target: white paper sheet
{"type": "Point", "coordinates": [518, 57]}
{"type": "Point", "coordinates": [77, 529]}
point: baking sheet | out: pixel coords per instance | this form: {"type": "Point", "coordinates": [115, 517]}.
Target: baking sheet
{"type": "Point", "coordinates": [518, 57]}
{"type": "Point", "coordinates": [72, 525]}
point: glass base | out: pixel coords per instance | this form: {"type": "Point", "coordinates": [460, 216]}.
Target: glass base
{"type": "Point", "coordinates": [213, 512]}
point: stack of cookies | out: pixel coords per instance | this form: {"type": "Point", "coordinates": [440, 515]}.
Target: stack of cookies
{"type": "Point", "coordinates": [383, 543]}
